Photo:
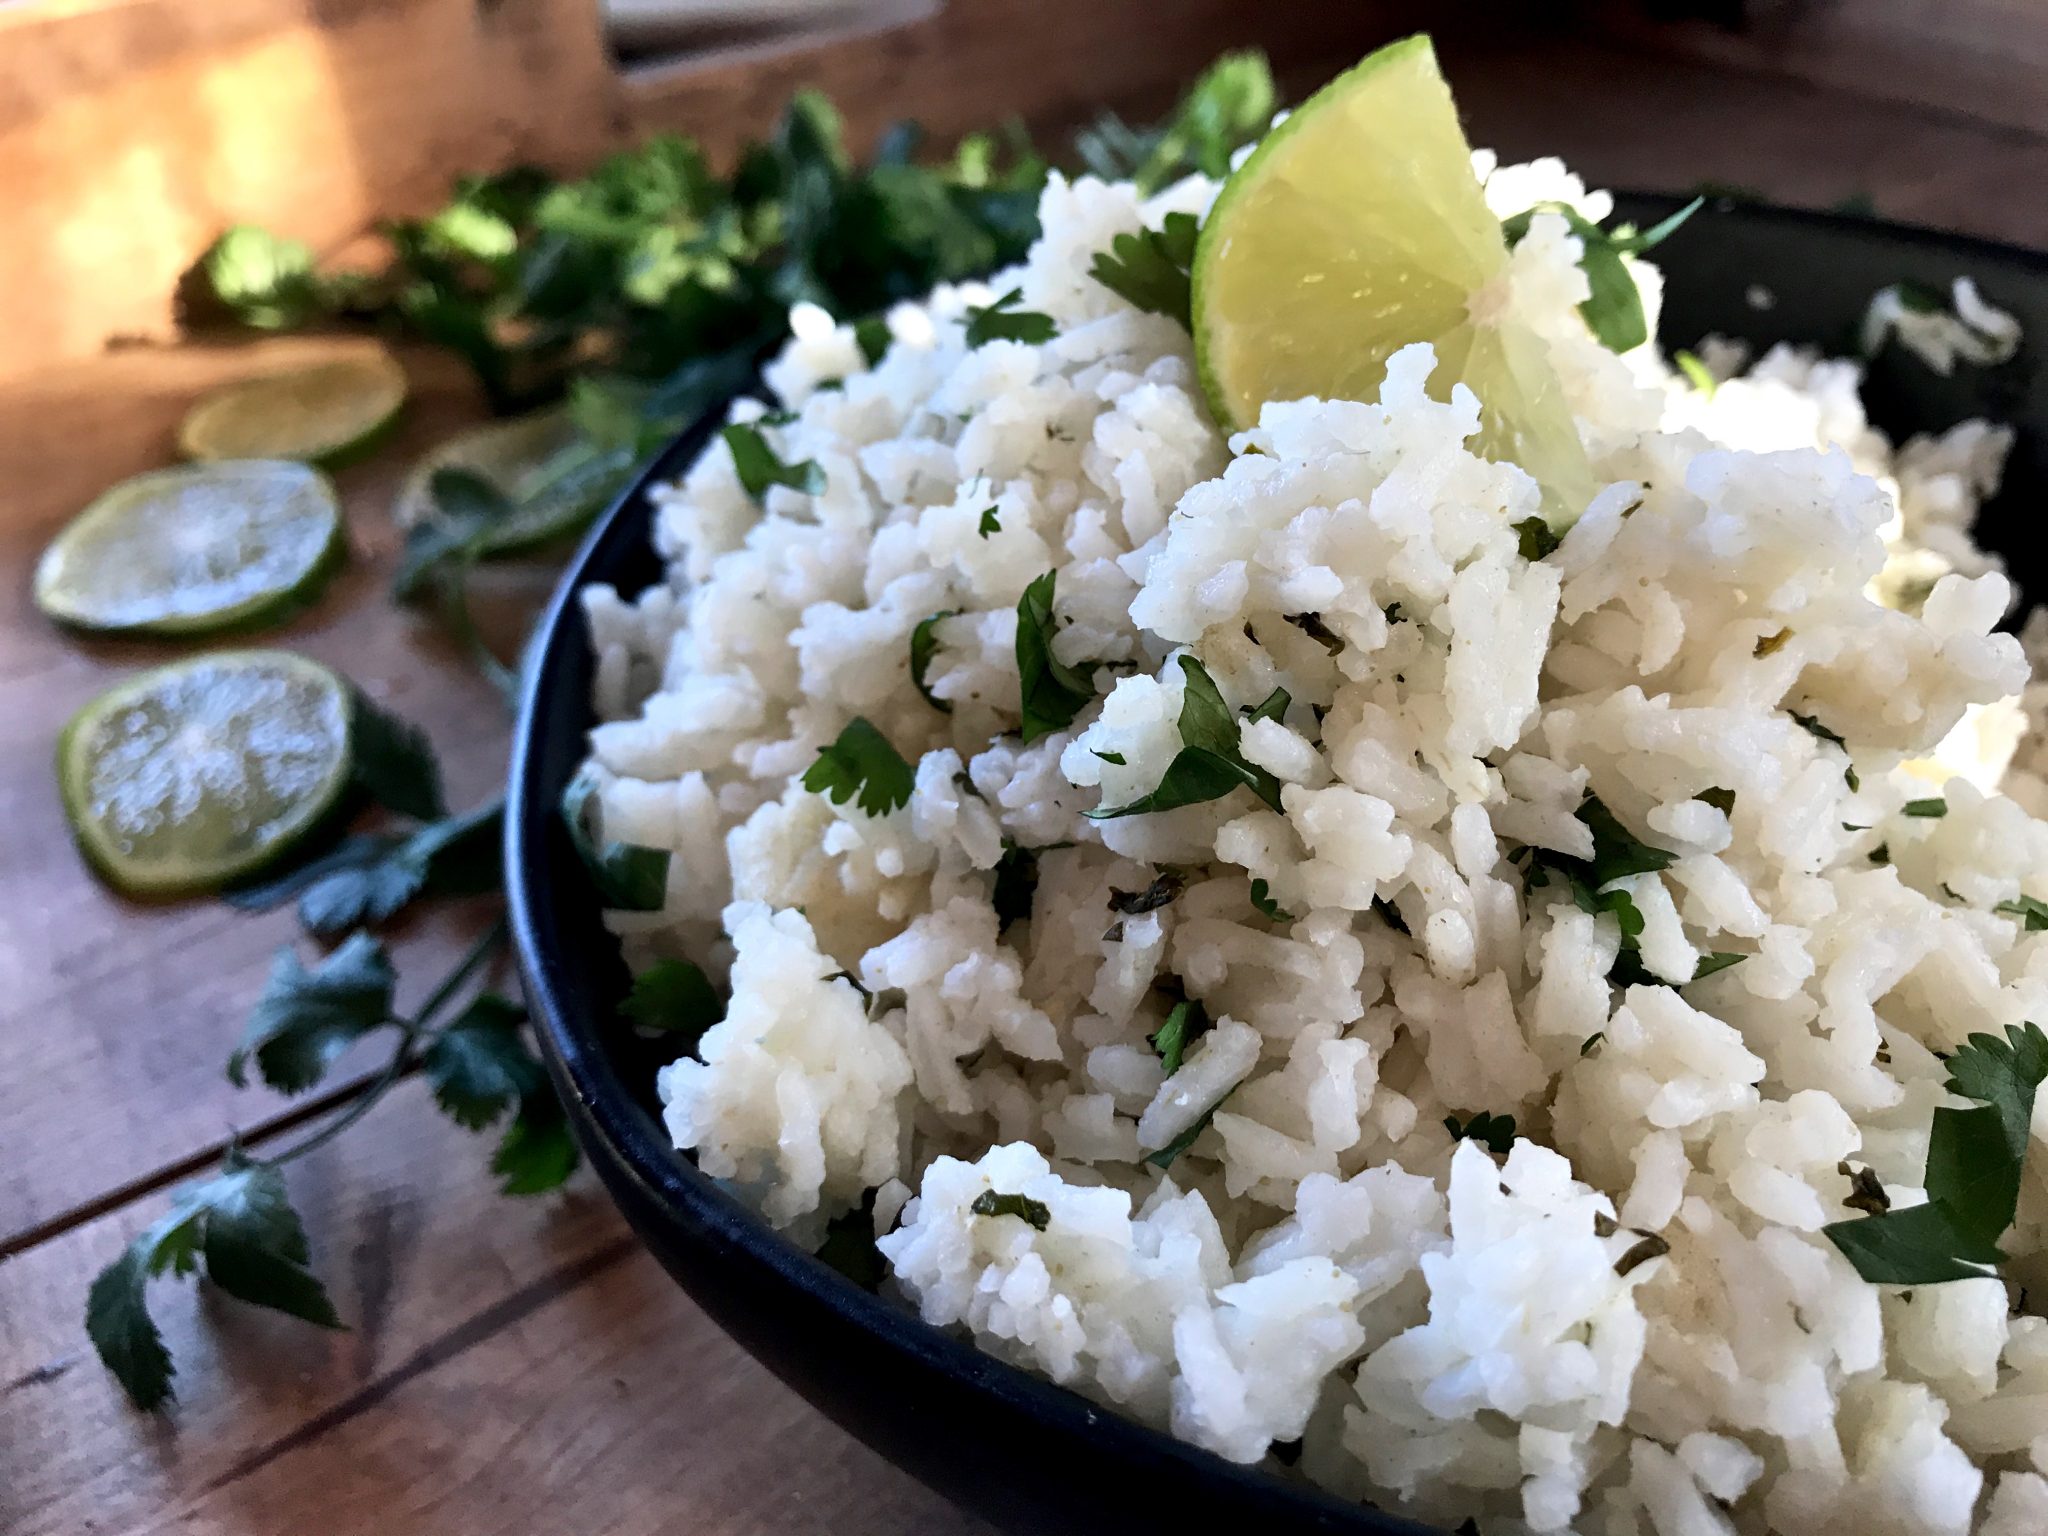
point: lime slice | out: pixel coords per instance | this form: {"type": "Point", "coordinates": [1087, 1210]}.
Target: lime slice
{"type": "Point", "coordinates": [323, 414]}
{"type": "Point", "coordinates": [1358, 227]}
{"type": "Point", "coordinates": [555, 479]}
{"type": "Point", "coordinates": [195, 549]}
{"type": "Point", "coordinates": [197, 774]}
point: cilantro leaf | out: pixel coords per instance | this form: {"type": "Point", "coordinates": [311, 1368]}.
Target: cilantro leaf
{"type": "Point", "coordinates": [1696, 372]}
{"type": "Point", "coordinates": [861, 761]}
{"type": "Point", "coordinates": [871, 335]}
{"type": "Point", "coordinates": [1312, 625]}
{"type": "Point", "coordinates": [674, 997]}
{"type": "Point", "coordinates": [264, 281]}
{"type": "Point", "coordinates": [758, 466]}
{"type": "Point", "coordinates": [1229, 105]}
{"type": "Point", "coordinates": [2033, 910]}
{"type": "Point", "coordinates": [478, 1064]}
{"type": "Point", "coordinates": [1930, 809]}
{"type": "Point", "coordinates": [1714, 963]}
{"type": "Point", "coordinates": [1023, 1207]}
{"type": "Point", "coordinates": [1016, 881]}
{"type": "Point", "coordinates": [629, 877]}
{"type": "Point", "coordinates": [1268, 907]}
{"type": "Point", "coordinates": [1722, 800]}
{"type": "Point", "coordinates": [127, 1338]}
{"type": "Point", "coordinates": [1167, 1155]}
{"type": "Point", "coordinates": [1975, 1158]}
{"type": "Point", "coordinates": [1184, 1023]}
{"type": "Point", "coordinates": [305, 1019]}
{"type": "Point", "coordinates": [1537, 539]}
{"type": "Point", "coordinates": [1156, 895]}
{"type": "Point", "coordinates": [538, 1152]}
{"type": "Point", "coordinates": [849, 1245]}
{"type": "Point", "coordinates": [367, 880]}
{"type": "Point", "coordinates": [466, 508]}
{"type": "Point", "coordinates": [1114, 758]}
{"type": "Point", "coordinates": [1613, 310]}
{"type": "Point", "coordinates": [990, 523]}
{"type": "Point", "coordinates": [393, 762]}
{"type": "Point", "coordinates": [255, 1247]}
{"type": "Point", "coordinates": [924, 645]}
{"type": "Point", "coordinates": [1209, 764]}
{"type": "Point", "coordinates": [1150, 269]}
{"type": "Point", "coordinates": [1053, 693]}
{"type": "Point", "coordinates": [1273, 707]}
{"type": "Point", "coordinates": [1815, 729]}
{"type": "Point", "coordinates": [1001, 321]}
{"type": "Point", "coordinates": [1617, 852]}
{"type": "Point", "coordinates": [1496, 1133]}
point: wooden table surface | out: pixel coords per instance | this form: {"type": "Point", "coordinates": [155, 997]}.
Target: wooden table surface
{"type": "Point", "coordinates": [521, 1366]}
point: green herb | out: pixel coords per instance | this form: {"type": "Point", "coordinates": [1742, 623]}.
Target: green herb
{"type": "Point", "coordinates": [849, 1245]}
{"type": "Point", "coordinates": [1273, 707]}
{"type": "Point", "coordinates": [1614, 309]}
{"type": "Point", "coordinates": [1629, 970]}
{"type": "Point", "coordinates": [1496, 1133]}
{"type": "Point", "coordinates": [629, 877]}
{"type": "Point", "coordinates": [1722, 800]}
{"type": "Point", "coordinates": [1390, 915]}
{"type": "Point", "coordinates": [1866, 1192]}
{"type": "Point", "coordinates": [1312, 625]}
{"type": "Point", "coordinates": [1881, 854]}
{"type": "Point", "coordinates": [1820, 732]}
{"type": "Point", "coordinates": [1771, 644]}
{"type": "Point", "coordinates": [861, 762]}
{"type": "Point", "coordinates": [1184, 1023]}
{"type": "Point", "coordinates": [1617, 852]}
{"type": "Point", "coordinates": [366, 880]}
{"type": "Point", "coordinates": [1696, 373]}
{"type": "Point", "coordinates": [989, 524]}
{"type": "Point", "coordinates": [1711, 964]}
{"type": "Point", "coordinates": [924, 645]}
{"type": "Point", "coordinates": [1156, 895]}
{"type": "Point", "coordinates": [1592, 1042]}
{"type": "Point", "coordinates": [393, 763]}
{"type": "Point", "coordinates": [1648, 1246]}
{"type": "Point", "coordinates": [1209, 764]}
{"type": "Point", "coordinates": [674, 997]}
{"type": "Point", "coordinates": [538, 1152]}
{"type": "Point", "coordinates": [1537, 538]}
{"type": "Point", "coordinates": [1116, 759]}
{"type": "Point", "coordinates": [2034, 911]}
{"type": "Point", "coordinates": [1053, 692]}
{"type": "Point", "coordinates": [1268, 907]}
{"type": "Point", "coordinates": [305, 1019]}
{"type": "Point", "coordinates": [1023, 1207]}
{"type": "Point", "coordinates": [1231, 105]}
{"type": "Point", "coordinates": [478, 1065]}
{"type": "Point", "coordinates": [467, 509]}
{"type": "Point", "coordinates": [1150, 268]}
{"type": "Point", "coordinates": [758, 466]}
{"type": "Point", "coordinates": [871, 335]}
{"type": "Point", "coordinates": [1167, 1155]}
{"type": "Point", "coordinates": [1931, 809]}
{"type": "Point", "coordinates": [1975, 1158]}
{"type": "Point", "coordinates": [1016, 883]}
{"type": "Point", "coordinates": [1001, 321]}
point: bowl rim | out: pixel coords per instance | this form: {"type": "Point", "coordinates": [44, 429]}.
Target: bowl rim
{"type": "Point", "coordinates": [569, 1028]}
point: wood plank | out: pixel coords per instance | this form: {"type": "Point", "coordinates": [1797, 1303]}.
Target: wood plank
{"type": "Point", "coordinates": [121, 1015]}
{"type": "Point", "coordinates": [514, 1365]}
{"type": "Point", "coordinates": [1626, 117]}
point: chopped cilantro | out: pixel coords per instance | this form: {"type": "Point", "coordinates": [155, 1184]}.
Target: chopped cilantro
{"type": "Point", "coordinates": [1273, 707]}
{"type": "Point", "coordinates": [629, 877]}
{"type": "Point", "coordinates": [1171, 1040]}
{"type": "Point", "coordinates": [1613, 311]}
{"type": "Point", "coordinates": [1814, 728]}
{"type": "Point", "coordinates": [1033, 1212]}
{"type": "Point", "coordinates": [1881, 854]}
{"type": "Point", "coordinates": [1150, 268]}
{"type": "Point", "coordinates": [1496, 1133]}
{"type": "Point", "coordinates": [924, 645]}
{"type": "Point", "coordinates": [1116, 759]}
{"type": "Point", "coordinates": [1002, 321]}
{"type": "Point", "coordinates": [990, 523]}
{"type": "Point", "coordinates": [1592, 1042]}
{"type": "Point", "coordinates": [1268, 907]}
{"type": "Point", "coordinates": [1053, 692]}
{"type": "Point", "coordinates": [1975, 1158]}
{"type": "Point", "coordinates": [1930, 809]}
{"type": "Point", "coordinates": [1771, 644]}
{"type": "Point", "coordinates": [1156, 895]}
{"type": "Point", "coordinates": [1648, 1246]}
{"type": "Point", "coordinates": [1209, 764]}
{"type": "Point", "coordinates": [674, 997]}
{"type": "Point", "coordinates": [1312, 625]}
{"type": "Point", "coordinates": [861, 762]}
{"type": "Point", "coordinates": [1537, 538]}
{"type": "Point", "coordinates": [758, 467]}
{"type": "Point", "coordinates": [1229, 106]}
{"type": "Point", "coordinates": [2032, 910]}
{"type": "Point", "coordinates": [1722, 800]}
{"type": "Point", "coordinates": [1696, 373]}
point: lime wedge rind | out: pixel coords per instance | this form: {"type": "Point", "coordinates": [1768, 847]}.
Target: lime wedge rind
{"type": "Point", "coordinates": [204, 772]}
{"type": "Point", "coordinates": [332, 412]}
{"type": "Point", "coordinates": [195, 550]}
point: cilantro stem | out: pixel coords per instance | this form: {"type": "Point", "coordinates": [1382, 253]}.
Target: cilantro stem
{"type": "Point", "coordinates": [405, 1056]}
{"type": "Point", "coordinates": [462, 626]}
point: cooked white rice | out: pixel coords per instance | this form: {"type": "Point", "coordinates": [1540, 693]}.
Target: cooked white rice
{"type": "Point", "coordinates": [1446, 1333]}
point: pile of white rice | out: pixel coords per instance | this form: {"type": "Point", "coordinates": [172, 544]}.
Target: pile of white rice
{"type": "Point", "coordinates": [1442, 1331]}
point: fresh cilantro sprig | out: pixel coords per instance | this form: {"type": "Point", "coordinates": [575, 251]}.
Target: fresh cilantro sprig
{"type": "Point", "coordinates": [1053, 693]}
{"type": "Point", "coordinates": [924, 645]}
{"type": "Point", "coordinates": [1613, 311]}
{"type": "Point", "coordinates": [629, 876]}
{"type": "Point", "coordinates": [366, 880]}
{"type": "Point", "coordinates": [1151, 268]}
{"type": "Point", "coordinates": [759, 467]}
{"type": "Point", "coordinates": [1975, 1158]}
{"type": "Point", "coordinates": [861, 765]}
{"type": "Point", "coordinates": [1209, 764]}
{"type": "Point", "coordinates": [1231, 104]}
{"type": "Point", "coordinates": [1494, 1132]}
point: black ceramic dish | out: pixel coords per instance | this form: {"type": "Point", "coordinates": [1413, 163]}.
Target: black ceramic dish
{"type": "Point", "coordinates": [1027, 1455]}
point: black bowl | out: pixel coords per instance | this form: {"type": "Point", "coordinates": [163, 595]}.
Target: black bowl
{"type": "Point", "coordinates": [1027, 1455]}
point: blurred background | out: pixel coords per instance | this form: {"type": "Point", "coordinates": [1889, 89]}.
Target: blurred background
{"type": "Point", "coordinates": [131, 131]}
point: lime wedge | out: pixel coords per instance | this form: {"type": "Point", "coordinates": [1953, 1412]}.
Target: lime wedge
{"type": "Point", "coordinates": [197, 774]}
{"type": "Point", "coordinates": [1356, 228]}
{"type": "Point", "coordinates": [195, 549]}
{"type": "Point", "coordinates": [556, 480]}
{"type": "Point", "coordinates": [324, 413]}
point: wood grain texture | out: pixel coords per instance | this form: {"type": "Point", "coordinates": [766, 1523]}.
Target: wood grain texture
{"type": "Point", "coordinates": [512, 1365]}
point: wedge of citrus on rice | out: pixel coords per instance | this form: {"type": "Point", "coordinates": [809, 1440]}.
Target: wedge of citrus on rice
{"type": "Point", "coordinates": [1357, 227]}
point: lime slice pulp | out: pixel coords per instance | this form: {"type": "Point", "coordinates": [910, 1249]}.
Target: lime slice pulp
{"type": "Point", "coordinates": [324, 413]}
{"type": "Point", "coordinates": [196, 774]}
{"type": "Point", "coordinates": [189, 550]}
{"type": "Point", "coordinates": [1356, 228]}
